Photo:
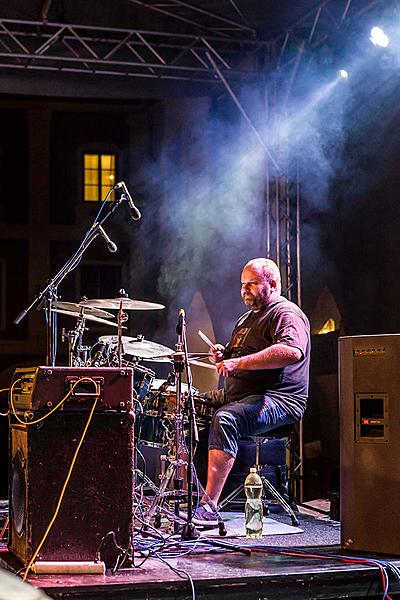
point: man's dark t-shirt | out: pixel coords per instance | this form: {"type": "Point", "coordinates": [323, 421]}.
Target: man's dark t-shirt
{"type": "Point", "coordinates": [281, 322]}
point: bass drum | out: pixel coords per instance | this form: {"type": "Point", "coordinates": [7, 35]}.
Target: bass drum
{"type": "Point", "coordinates": [154, 430]}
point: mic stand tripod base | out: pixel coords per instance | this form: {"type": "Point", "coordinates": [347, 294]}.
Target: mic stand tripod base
{"type": "Point", "coordinates": [189, 532]}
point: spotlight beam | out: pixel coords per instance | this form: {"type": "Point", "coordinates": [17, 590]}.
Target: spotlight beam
{"type": "Point", "coordinates": [242, 111]}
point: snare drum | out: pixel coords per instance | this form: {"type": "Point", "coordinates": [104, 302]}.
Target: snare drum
{"type": "Point", "coordinates": [204, 409]}
{"type": "Point", "coordinates": [165, 403]}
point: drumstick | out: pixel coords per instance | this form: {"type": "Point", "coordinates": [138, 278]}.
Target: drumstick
{"type": "Point", "coordinates": [206, 339]}
{"type": "Point", "coordinates": [198, 363]}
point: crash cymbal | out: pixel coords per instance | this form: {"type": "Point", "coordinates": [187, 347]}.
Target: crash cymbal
{"type": "Point", "coordinates": [127, 304]}
{"type": "Point", "coordinates": [147, 350]}
{"type": "Point", "coordinates": [86, 317]}
{"type": "Point", "coordinates": [77, 308]}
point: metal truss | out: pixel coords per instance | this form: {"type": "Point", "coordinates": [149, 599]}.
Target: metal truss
{"type": "Point", "coordinates": [229, 21]}
{"type": "Point", "coordinates": [282, 204]}
{"type": "Point", "coordinates": [300, 41]}
{"type": "Point", "coordinates": [315, 27]}
{"type": "Point", "coordinates": [177, 44]}
{"type": "Point", "coordinates": [125, 52]}
{"type": "Point", "coordinates": [283, 231]}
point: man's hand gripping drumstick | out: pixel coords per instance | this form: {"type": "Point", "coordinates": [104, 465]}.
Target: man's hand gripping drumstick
{"type": "Point", "coordinates": [216, 350]}
{"type": "Point", "coordinates": [223, 366]}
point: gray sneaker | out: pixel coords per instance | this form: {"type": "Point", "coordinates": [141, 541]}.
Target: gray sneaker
{"type": "Point", "coordinates": [204, 515]}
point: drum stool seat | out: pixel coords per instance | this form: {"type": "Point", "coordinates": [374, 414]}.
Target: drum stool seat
{"type": "Point", "coordinates": [282, 497]}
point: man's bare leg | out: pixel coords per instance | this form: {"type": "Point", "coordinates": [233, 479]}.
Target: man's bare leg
{"type": "Point", "coordinates": [219, 466]}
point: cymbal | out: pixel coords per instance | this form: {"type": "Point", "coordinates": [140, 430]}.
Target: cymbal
{"type": "Point", "coordinates": [113, 340]}
{"type": "Point", "coordinates": [146, 349]}
{"type": "Point", "coordinates": [157, 383]}
{"type": "Point", "coordinates": [192, 361]}
{"type": "Point", "coordinates": [169, 358]}
{"type": "Point", "coordinates": [87, 317]}
{"type": "Point", "coordinates": [127, 304]}
{"type": "Point", "coordinates": [88, 310]}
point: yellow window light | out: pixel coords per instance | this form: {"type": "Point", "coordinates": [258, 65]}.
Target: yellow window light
{"type": "Point", "coordinates": [99, 175]}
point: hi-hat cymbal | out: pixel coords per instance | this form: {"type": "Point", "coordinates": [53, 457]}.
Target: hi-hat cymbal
{"type": "Point", "coordinates": [127, 304]}
{"type": "Point", "coordinates": [86, 317]}
{"type": "Point", "coordinates": [146, 349]}
{"type": "Point", "coordinates": [169, 358]}
{"type": "Point", "coordinates": [88, 310]}
{"type": "Point", "coordinates": [192, 361]}
{"type": "Point", "coordinates": [113, 340]}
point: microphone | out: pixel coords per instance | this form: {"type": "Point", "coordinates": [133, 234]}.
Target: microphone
{"type": "Point", "coordinates": [135, 212]}
{"type": "Point", "coordinates": [110, 244]}
{"type": "Point", "coordinates": [181, 319]}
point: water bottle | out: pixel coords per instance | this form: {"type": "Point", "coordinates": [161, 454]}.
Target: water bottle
{"type": "Point", "coordinates": [253, 488]}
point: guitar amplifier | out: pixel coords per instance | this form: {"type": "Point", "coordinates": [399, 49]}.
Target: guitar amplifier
{"type": "Point", "coordinates": [42, 388]}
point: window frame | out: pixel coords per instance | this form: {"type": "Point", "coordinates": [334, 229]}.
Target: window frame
{"type": "Point", "coordinates": [99, 150]}
{"type": "Point", "coordinates": [98, 263]}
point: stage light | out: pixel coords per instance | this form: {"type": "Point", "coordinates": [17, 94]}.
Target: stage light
{"type": "Point", "coordinates": [378, 37]}
{"type": "Point", "coordinates": [343, 74]}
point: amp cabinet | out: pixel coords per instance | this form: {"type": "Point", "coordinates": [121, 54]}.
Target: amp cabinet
{"type": "Point", "coordinates": [98, 497]}
{"type": "Point", "coordinates": [369, 399]}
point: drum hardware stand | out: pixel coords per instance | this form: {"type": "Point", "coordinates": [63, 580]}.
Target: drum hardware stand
{"type": "Point", "coordinates": [77, 353]}
{"type": "Point", "coordinates": [122, 318]}
{"type": "Point", "coordinates": [101, 354]}
{"type": "Point", "coordinates": [172, 473]}
{"type": "Point", "coordinates": [47, 296]}
{"type": "Point", "coordinates": [139, 475]}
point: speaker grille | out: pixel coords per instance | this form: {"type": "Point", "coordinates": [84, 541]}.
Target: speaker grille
{"type": "Point", "coordinates": [18, 491]}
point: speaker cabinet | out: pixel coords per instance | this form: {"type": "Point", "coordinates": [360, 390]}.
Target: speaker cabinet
{"type": "Point", "coordinates": [369, 397]}
{"type": "Point", "coordinates": [99, 495]}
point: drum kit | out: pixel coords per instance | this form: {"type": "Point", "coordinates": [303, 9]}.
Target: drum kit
{"type": "Point", "coordinates": [172, 412]}
{"type": "Point", "coordinates": [167, 411]}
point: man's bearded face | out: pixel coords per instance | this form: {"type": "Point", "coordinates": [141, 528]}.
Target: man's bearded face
{"type": "Point", "coordinates": [255, 290]}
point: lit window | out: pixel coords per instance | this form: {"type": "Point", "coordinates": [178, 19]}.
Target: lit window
{"type": "Point", "coordinates": [98, 176]}
{"type": "Point", "coordinates": [328, 327]}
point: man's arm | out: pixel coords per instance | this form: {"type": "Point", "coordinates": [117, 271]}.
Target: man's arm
{"type": "Point", "coordinates": [276, 356]}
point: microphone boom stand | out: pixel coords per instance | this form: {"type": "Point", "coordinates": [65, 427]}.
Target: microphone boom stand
{"type": "Point", "coordinates": [48, 294]}
{"type": "Point", "coordinates": [189, 531]}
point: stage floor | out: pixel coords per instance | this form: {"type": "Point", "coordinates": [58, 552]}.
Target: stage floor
{"type": "Point", "coordinates": [263, 572]}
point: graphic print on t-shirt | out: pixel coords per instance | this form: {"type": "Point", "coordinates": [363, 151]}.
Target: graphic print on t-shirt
{"type": "Point", "coordinates": [239, 338]}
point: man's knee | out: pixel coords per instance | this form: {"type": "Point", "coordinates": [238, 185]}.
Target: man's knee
{"type": "Point", "coordinates": [223, 419]}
